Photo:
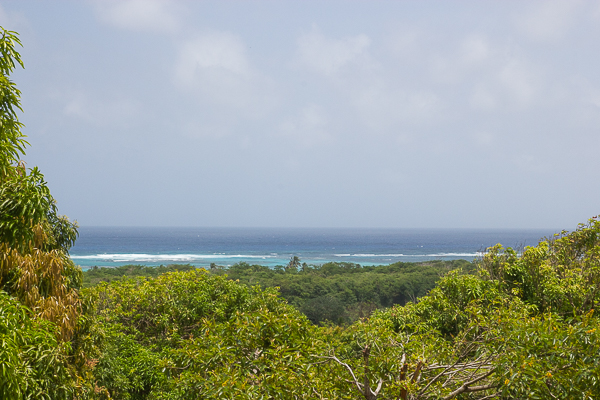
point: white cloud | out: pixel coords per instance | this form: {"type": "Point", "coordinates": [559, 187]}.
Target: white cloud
{"type": "Point", "coordinates": [595, 12]}
{"type": "Point", "coordinates": [308, 128]}
{"type": "Point", "coordinates": [140, 15]}
{"type": "Point", "coordinates": [520, 82]}
{"type": "Point", "coordinates": [217, 51]}
{"type": "Point", "coordinates": [549, 20]}
{"type": "Point", "coordinates": [484, 139]}
{"type": "Point", "coordinates": [482, 98]}
{"type": "Point", "coordinates": [4, 19]}
{"type": "Point", "coordinates": [475, 50]}
{"type": "Point", "coordinates": [461, 59]}
{"type": "Point", "coordinates": [98, 112]}
{"type": "Point", "coordinates": [383, 108]}
{"type": "Point", "coordinates": [376, 96]}
{"type": "Point", "coordinates": [14, 21]}
{"type": "Point", "coordinates": [215, 69]}
{"type": "Point", "coordinates": [487, 75]}
{"type": "Point", "coordinates": [595, 100]}
{"type": "Point", "coordinates": [403, 43]}
{"type": "Point", "coordinates": [327, 56]}
{"type": "Point", "coordinates": [530, 162]}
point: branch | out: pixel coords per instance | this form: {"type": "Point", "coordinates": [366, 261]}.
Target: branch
{"type": "Point", "coordinates": [363, 388]}
{"type": "Point", "coordinates": [431, 382]}
{"type": "Point", "coordinates": [491, 396]}
{"type": "Point", "coordinates": [473, 364]}
{"type": "Point", "coordinates": [379, 384]}
{"type": "Point", "coordinates": [466, 389]}
{"type": "Point", "coordinates": [417, 372]}
{"type": "Point", "coordinates": [343, 364]}
{"type": "Point", "coordinates": [317, 393]}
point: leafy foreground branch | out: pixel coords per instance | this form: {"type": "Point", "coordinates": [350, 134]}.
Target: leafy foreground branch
{"type": "Point", "coordinates": [468, 374]}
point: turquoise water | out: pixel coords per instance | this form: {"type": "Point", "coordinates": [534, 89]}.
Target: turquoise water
{"type": "Point", "coordinates": [106, 246]}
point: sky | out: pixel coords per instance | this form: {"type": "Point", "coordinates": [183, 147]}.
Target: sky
{"type": "Point", "coordinates": [393, 114]}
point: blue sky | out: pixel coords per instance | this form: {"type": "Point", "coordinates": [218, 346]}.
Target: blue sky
{"type": "Point", "coordinates": [429, 114]}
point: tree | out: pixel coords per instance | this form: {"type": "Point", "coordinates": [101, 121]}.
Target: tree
{"type": "Point", "coordinates": [38, 281]}
{"type": "Point", "coordinates": [12, 140]}
{"type": "Point", "coordinates": [521, 326]}
{"type": "Point", "coordinates": [33, 364]}
{"type": "Point", "coordinates": [34, 239]}
{"type": "Point", "coordinates": [190, 335]}
{"type": "Point", "coordinates": [294, 264]}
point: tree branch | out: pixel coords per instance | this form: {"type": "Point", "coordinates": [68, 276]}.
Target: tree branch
{"type": "Point", "coordinates": [466, 389]}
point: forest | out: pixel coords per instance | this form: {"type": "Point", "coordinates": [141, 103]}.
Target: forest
{"type": "Point", "coordinates": [511, 325]}
{"type": "Point", "coordinates": [338, 293]}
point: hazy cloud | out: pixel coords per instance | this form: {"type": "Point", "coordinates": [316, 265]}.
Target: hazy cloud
{"type": "Point", "coordinates": [308, 128]}
{"type": "Point", "coordinates": [419, 114]}
{"type": "Point", "coordinates": [475, 50]}
{"type": "Point", "coordinates": [105, 112]}
{"type": "Point", "coordinates": [217, 51]}
{"type": "Point", "coordinates": [520, 81]}
{"type": "Point", "coordinates": [140, 15]}
{"type": "Point", "coordinates": [4, 19]}
{"type": "Point", "coordinates": [404, 43]}
{"type": "Point", "coordinates": [328, 55]}
{"type": "Point", "coordinates": [482, 98]}
{"type": "Point", "coordinates": [215, 68]}
{"type": "Point", "coordinates": [14, 21]}
{"type": "Point", "coordinates": [548, 20]}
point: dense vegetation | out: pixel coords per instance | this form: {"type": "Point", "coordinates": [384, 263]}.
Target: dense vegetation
{"type": "Point", "coordinates": [344, 292]}
{"type": "Point", "coordinates": [333, 292]}
{"type": "Point", "coordinates": [96, 275]}
{"type": "Point", "coordinates": [516, 326]}
{"type": "Point", "coordinates": [519, 326]}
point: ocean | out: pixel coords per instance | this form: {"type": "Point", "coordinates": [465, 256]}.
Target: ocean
{"type": "Point", "coordinates": [116, 246]}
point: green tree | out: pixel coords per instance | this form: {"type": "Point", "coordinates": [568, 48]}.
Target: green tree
{"type": "Point", "coordinates": [190, 335]}
{"type": "Point", "coordinates": [34, 239]}
{"type": "Point", "coordinates": [33, 363]}
{"type": "Point", "coordinates": [294, 264]}
{"type": "Point", "coordinates": [41, 357]}
{"type": "Point", "coordinates": [521, 326]}
{"type": "Point", "coordinates": [12, 140]}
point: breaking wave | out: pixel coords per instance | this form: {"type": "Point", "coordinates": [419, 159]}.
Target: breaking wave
{"type": "Point", "coordinates": [164, 257]}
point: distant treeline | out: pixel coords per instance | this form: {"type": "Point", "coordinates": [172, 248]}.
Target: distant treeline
{"type": "Point", "coordinates": [335, 292]}
{"type": "Point", "coordinates": [96, 275]}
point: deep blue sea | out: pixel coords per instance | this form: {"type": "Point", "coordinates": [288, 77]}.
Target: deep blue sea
{"type": "Point", "coordinates": [105, 246]}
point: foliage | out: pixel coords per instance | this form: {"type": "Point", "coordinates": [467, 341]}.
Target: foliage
{"type": "Point", "coordinates": [516, 326]}
{"type": "Point", "coordinates": [96, 275]}
{"type": "Point", "coordinates": [345, 292]}
{"type": "Point", "coordinates": [561, 274]}
{"type": "Point", "coordinates": [40, 306]}
{"type": "Point", "coordinates": [12, 141]}
{"type": "Point", "coordinates": [46, 282]}
{"type": "Point", "coordinates": [33, 364]}
{"type": "Point", "coordinates": [522, 326]}
{"type": "Point", "coordinates": [546, 356]}
{"type": "Point", "coordinates": [333, 292]}
{"type": "Point", "coordinates": [188, 335]}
